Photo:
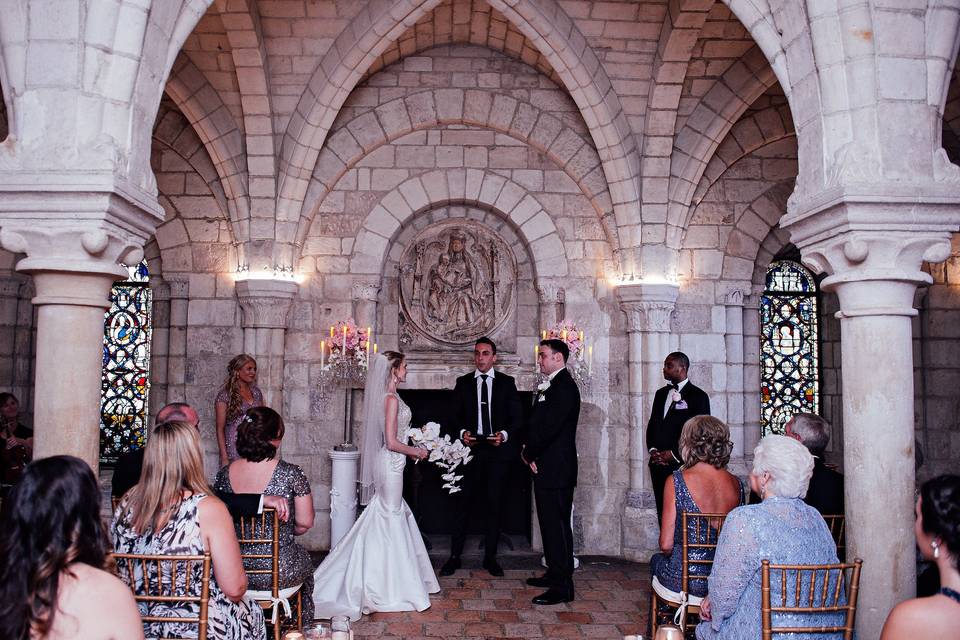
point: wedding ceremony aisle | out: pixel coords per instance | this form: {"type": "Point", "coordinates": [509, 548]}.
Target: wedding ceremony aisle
{"type": "Point", "coordinates": [613, 596]}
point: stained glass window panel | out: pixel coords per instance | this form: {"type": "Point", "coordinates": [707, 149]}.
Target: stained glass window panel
{"type": "Point", "coordinates": [126, 366]}
{"type": "Point", "coordinates": [789, 362]}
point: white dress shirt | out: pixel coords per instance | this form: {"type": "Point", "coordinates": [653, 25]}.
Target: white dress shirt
{"type": "Point", "coordinates": [668, 403]}
{"type": "Point", "coordinates": [476, 376]}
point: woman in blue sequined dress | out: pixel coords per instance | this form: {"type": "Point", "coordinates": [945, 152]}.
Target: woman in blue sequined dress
{"type": "Point", "coordinates": [782, 529]}
{"type": "Point", "coordinates": [702, 486]}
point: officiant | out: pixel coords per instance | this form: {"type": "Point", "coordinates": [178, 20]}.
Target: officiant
{"type": "Point", "coordinates": [673, 405]}
{"type": "Point", "coordinates": [487, 407]}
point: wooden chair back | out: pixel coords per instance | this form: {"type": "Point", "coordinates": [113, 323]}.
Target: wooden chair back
{"type": "Point", "coordinates": [255, 531]}
{"type": "Point", "coordinates": [838, 529]}
{"type": "Point", "coordinates": [700, 531]}
{"type": "Point", "coordinates": [173, 581]}
{"type": "Point", "coordinates": [812, 593]}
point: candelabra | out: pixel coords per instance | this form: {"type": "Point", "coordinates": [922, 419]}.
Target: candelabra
{"type": "Point", "coordinates": [580, 361]}
{"type": "Point", "coordinates": [344, 367]}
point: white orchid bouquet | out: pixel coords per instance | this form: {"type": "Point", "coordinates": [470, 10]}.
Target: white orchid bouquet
{"type": "Point", "coordinates": [445, 453]}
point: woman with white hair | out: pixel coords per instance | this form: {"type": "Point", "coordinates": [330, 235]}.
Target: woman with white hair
{"type": "Point", "coordinates": [782, 529]}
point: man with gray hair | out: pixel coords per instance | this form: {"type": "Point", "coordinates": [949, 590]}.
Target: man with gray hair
{"type": "Point", "coordinates": [825, 493]}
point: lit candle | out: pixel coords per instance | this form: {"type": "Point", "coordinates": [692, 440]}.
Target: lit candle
{"type": "Point", "coordinates": [590, 360]}
{"type": "Point", "coordinates": [374, 348]}
{"type": "Point", "coordinates": [331, 331]}
{"type": "Point", "coordinates": [563, 335]}
{"type": "Point", "coordinates": [323, 352]}
{"type": "Point", "coordinates": [544, 334]}
{"type": "Point", "coordinates": [344, 339]}
{"type": "Point", "coordinates": [581, 336]}
{"type": "Point", "coordinates": [368, 346]}
{"type": "Point", "coordinates": [536, 358]}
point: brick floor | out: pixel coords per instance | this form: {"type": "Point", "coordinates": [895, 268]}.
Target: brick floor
{"type": "Point", "coordinates": [612, 600]}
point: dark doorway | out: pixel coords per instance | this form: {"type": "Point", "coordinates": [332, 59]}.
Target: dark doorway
{"type": "Point", "coordinates": [422, 489]}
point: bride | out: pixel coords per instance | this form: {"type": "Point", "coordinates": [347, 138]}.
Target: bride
{"type": "Point", "coordinates": [382, 563]}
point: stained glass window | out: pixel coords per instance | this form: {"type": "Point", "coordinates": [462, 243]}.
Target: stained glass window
{"type": "Point", "coordinates": [126, 365]}
{"type": "Point", "coordinates": [789, 362]}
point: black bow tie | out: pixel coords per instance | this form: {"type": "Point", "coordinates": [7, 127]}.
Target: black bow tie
{"type": "Point", "coordinates": [675, 387]}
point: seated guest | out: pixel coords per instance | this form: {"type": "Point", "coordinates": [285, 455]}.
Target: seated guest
{"type": "Point", "coordinates": [782, 529]}
{"type": "Point", "coordinates": [16, 441]}
{"type": "Point", "coordinates": [171, 511]}
{"type": "Point", "coordinates": [259, 469]}
{"type": "Point", "coordinates": [55, 580]}
{"type": "Point", "coordinates": [938, 538]}
{"type": "Point", "coordinates": [825, 493]}
{"type": "Point", "coordinates": [126, 474]}
{"type": "Point", "coordinates": [703, 485]}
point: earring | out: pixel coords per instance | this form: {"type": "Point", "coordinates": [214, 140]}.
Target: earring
{"type": "Point", "coordinates": [936, 549]}
{"type": "Point", "coordinates": [763, 492]}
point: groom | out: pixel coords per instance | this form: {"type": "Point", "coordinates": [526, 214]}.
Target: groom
{"type": "Point", "coordinates": [488, 419]}
{"type": "Point", "coordinates": [551, 453]}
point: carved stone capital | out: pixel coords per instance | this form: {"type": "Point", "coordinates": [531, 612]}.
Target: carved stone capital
{"type": "Point", "coordinates": [550, 293]}
{"type": "Point", "coordinates": [265, 303]}
{"type": "Point", "coordinates": [648, 306]}
{"type": "Point", "coordinates": [75, 231]}
{"type": "Point", "coordinates": [873, 252]}
{"type": "Point", "coordinates": [365, 291]}
{"type": "Point", "coordinates": [733, 294]}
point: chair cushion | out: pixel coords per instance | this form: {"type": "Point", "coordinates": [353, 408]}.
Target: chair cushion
{"type": "Point", "coordinates": [266, 599]}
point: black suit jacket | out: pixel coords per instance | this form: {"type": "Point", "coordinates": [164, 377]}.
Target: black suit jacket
{"type": "Point", "coordinates": [506, 414]}
{"type": "Point", "coordinates": [825, 493]}
{"type": "Point", "coordinates": [663, 432]}
{"type": "Point", "coordinates": [552, 433]}
{"type": "Point", "coordinates": [127, 471]}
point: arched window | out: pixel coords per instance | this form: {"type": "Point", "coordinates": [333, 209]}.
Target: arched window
{"type": "Point", "coordinates": [789, 358]}
{"type": "Point", "coordinates": [126, 365]}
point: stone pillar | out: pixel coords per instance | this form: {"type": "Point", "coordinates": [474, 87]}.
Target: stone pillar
{"type": "Point", "coordinates": [343, 493]}
{"type": "Point", "coordinates": [179, 293]}
{"type": "Point", "coordinates": [159, 344]}
{"type": "Point", "coordinates": [365, 296]}
{"type": "Point", "coordinates": [732, 301]}
{"type": "Point", "coordinates": [552, 305]}
{"type": "Point", "coordinates": [73, 242]}
{"type": "Point", "coordinates": [266, 304]}
{"type": "Point", "coordinates": [873, 252]}
{"type": "Point", "coordinates": [750, 324]}
{"type": "Point", "coordinates": [648, 308]}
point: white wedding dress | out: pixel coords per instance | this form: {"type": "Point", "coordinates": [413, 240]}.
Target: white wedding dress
{"type": "Point", "coordinates": [382, 563]}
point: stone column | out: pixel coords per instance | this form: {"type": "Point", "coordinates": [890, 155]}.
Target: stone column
{"type": "Point", "coordinates": [751, 371]}
{"type": "Point", "coordinates": [648, 308]}
{"type": "Point", "coordinates": [732, 301]}
{"type": "Point", "coordinates": [73, 242]}
{"type": "Point", "coordinates": [365, 296]}
{"type": "Point", "coordinates": [552, 306]}
{"type": "Point", "coordinates": [266, 304]}
{"type": "Point", "coordinates": [159, 343]}
{"type": "Point", "coordinates": [873, 252]}
{"type": "Point", "coordinates": [179, 292]}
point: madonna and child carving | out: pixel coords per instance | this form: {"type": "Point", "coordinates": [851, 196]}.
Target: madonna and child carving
{"type": "Point", "coordinates": [457, 282]}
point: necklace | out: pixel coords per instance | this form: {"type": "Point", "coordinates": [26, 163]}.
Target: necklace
{"type": "Point", "coordinates": [950, 593]}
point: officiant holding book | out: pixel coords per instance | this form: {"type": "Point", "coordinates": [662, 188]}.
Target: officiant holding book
{"type": "Point", "coordinates": [489, 416]}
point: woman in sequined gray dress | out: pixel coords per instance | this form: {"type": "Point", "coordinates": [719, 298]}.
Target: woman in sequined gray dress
{"type": "Point", "coordinates": [260, 470]}
{"type": "Point", "coordinates": [782, 529]}
{"type": "Point", "coordinates": [703, 485]}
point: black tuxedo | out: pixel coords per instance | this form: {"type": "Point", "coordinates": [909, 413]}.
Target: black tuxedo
{"type": "Point", "coordinates": [663, 431]}
{"type": "Point", "coordinates": [126, 474]}
{"type": "Point", "coordinates": [552, 445]}
{"type": "Point", "coordinates": [825, 493]}
{"type": "Point", "coordinates": [487, 473]}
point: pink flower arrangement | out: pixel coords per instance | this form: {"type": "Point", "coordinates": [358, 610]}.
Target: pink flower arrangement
{"type": "Point", "coordinates": [355, 338]}
{"type": "Point", "coordinates": [568, 331]}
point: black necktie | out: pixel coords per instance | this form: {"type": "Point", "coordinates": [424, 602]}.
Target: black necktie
{"type": "Point", "coordinates": [484, 406]}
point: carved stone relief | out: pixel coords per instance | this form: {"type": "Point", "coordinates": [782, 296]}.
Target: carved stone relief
{"type": "Point", "coordinates": [457, 283]}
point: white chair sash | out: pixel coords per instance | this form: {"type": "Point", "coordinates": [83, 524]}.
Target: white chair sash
{"type": "Point", "coordinates": [681, 599]}
{"type": "Point", "coordinates": [282, 600]}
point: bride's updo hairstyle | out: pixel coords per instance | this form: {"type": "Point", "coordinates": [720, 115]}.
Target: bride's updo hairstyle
{"type": "Point", "coordinates": [395, 358]}
{"type": "Point", "coordinates": [705, 439]}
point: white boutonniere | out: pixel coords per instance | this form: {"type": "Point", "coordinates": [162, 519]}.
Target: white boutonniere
{"type": "Point", "coordinates": [542, 389]}
{"type": "Point", "coordinates": [675, 396]}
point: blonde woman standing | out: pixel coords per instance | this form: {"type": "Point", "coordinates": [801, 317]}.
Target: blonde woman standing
{"type": "Point", "coordinates": [172, 511]}
{"type": "Point", "coordinates": [238, 394]}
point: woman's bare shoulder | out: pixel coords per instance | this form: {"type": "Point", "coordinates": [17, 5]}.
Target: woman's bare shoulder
{"type": "Point", "coordinates": [92, 603]}
{"type": "Point", "coordinates": [937, 615]}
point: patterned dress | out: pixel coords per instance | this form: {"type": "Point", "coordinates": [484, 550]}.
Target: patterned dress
{"type": "Point", "coordinates": [669, 569]}
{"type": "Point", "coordinates": [181, 536]}
{"type": "Point", "coordinates": [230, 428]}
{"type": "Point", "coordinates": [784, 531]}
{"type": "Point", "coordinates": [289, 481]}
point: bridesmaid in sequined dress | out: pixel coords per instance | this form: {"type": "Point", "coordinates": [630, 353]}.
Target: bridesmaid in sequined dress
{"type": "Point", "coordinates": [238, 394]}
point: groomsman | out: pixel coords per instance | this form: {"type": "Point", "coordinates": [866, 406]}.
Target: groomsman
{"type": "Point", "coordinates": [551, 453]}
{"type": "Point", "coordinates": [488, 417]}
{"type": "Point", "coordinates": [673, 405]}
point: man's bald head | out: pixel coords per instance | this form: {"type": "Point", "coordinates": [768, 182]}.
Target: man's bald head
{"type": "Point", "coordinates": [178, 412]}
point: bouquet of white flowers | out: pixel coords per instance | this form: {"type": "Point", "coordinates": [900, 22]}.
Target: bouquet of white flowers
{"type": "Point", "coordinates": [444, 453]}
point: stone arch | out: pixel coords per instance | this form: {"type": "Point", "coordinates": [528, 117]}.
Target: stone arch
{"type": "Point", "coordinates": [765, 33]}
{"type": "Point", "coordinates": [753, 131]}
{"type": "Point", "coordinates": [706, 128]}
{"type": "Point", "coordinates": [484, 189]}
{"type": "Point", "coordinates": [554, 33]}
{"type": "Point", "coordinates": [571, 152]}
{"type": "Point", "coordinates": [218, 131]}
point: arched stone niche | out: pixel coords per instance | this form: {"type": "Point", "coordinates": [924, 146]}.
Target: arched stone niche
{"type": "Point", "coordinates": [455, 272]}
